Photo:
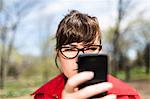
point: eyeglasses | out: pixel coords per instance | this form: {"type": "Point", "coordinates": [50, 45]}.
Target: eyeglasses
{"type": "Point", "coordinates": [72, 52]}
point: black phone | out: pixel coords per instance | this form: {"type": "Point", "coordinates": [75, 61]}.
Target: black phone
{"type": "Point", "coordinates": [98, 63]}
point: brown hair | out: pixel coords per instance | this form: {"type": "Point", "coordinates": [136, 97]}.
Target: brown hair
{"type": "Point", "coordinates": [77, 27]}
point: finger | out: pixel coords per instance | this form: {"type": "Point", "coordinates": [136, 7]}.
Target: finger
{"type": "Point", "coordinates": [94, 90]}
{"type": "Point", "coordinates": [77, 79]}
{"type": "Point", "coordinates": [111, 96]}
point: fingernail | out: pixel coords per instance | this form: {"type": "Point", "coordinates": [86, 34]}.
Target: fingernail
{"type": "Point", "coordinates": [90, 73]}
{"type": "Point", "coordinates": [107, 84]}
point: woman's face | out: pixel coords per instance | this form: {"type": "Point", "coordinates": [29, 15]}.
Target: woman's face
{"type": "Point", "coordinates": [69, 66]}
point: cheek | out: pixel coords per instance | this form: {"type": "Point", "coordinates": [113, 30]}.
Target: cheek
{"type": "Point", "coordinates": [68, 66]}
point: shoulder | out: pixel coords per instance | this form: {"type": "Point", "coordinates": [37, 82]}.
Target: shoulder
{"type": "Point", "coordinates": [121, 88]}
{"type": "Point", "coordinates": [51, 87]}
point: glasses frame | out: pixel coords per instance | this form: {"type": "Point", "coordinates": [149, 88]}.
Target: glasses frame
{"type": "Point", "coordinates": [79, 49]}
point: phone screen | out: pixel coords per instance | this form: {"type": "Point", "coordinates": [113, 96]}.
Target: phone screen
{"type": "Point", "coordinates": [98, 63]}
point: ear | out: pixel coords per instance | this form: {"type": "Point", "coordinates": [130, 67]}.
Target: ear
{"type": "Point", "coordinates": [55, 51]}
{"type": "Point", "coordinates": [57, 60]}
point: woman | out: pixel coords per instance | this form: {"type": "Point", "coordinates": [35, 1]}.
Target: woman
{"type": "Point", "coordinates": [79, 33]}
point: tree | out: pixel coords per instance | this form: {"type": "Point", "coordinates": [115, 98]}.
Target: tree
{"type": "Point", "coordinates": [46, 45]}
{"type": "Point", "coordinates": [141, 28]}
{"type": "Point", "coordinates": [116, 49]}
{"type": "Point", "coordinates": [12, 16]}
{"type": "Point", "coordinates": [147, 58]}
{"type": "Point", "coordinates": [125, 34]}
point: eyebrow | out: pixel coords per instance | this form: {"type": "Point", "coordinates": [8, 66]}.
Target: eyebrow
{"type": "Point", "coordinates": [70, 45]}
{"type": "Point", "coordinates": [74, 45]}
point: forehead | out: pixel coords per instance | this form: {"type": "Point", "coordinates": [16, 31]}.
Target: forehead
{"type": "Point", "coordinates": [96, 42]}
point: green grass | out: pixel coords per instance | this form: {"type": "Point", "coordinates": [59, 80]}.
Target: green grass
{"type": "Point", "coordinates": [25, 87]}
{"type": "Point", "coordinates": [15, 92]}
{"type": "Point", "coordinates": [19, 88]}
{"type": "Point", "coordinates": [137, 73]}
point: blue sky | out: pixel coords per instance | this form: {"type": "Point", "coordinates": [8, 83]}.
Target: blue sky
{"type": "Point", "coordinates": [28, 32]}
{"type": "Point", "coordinates": [47, 14]}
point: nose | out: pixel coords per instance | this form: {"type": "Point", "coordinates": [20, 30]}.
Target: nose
{"type": "Point", "coordinates": [81, 51]}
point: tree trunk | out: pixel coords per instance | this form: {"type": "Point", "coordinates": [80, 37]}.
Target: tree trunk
{"type": "Point", "coordinates": [2, 68]}
{"type": "Point", "coordinates": [127, 73]}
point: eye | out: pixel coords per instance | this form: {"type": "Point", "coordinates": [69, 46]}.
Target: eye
{"type": "Point", "coordinates": [68, 49]}
{"type": "Point", "coordinates": [93, 48]}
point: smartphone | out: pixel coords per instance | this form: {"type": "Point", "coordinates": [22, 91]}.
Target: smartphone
{"type": "Point", "coordinates": [98, 63]}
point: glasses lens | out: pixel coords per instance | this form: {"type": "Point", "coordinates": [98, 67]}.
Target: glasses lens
{"type": "Point", "coordinates": [69, 52]}
{"type": "Point", "coordinates": [93, 49]}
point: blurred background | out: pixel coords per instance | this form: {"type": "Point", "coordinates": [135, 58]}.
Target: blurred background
{"type": "Point", "coordinates": [27, 41]}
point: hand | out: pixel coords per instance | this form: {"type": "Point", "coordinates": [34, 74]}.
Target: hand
{"type": "Point", "coordinates": [71, 88]}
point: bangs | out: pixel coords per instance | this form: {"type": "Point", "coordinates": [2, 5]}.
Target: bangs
{"type": "Point", "coordinates": [77, 28]}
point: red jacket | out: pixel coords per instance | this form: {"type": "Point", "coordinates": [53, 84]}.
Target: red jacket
{"type": "Point", "coordinates": [53, 89]}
